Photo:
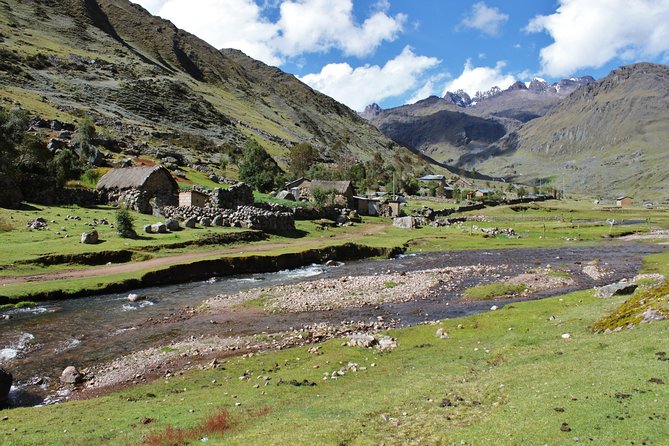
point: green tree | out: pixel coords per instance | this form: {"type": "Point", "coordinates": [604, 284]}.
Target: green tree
{"type": "Point", "coordinates": [302, 157]}
{"type": "Point", "coordinates": [257, 168]}
{"type": "Point", "coordinates": [323, 197]}
{"type": "Point", "coordinates": [124, 224]}
{"type": "Point", "coordinates": [85, 138]}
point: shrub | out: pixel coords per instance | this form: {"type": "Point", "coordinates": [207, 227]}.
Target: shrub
{"type": "Point", "coordinates": [124, 224]}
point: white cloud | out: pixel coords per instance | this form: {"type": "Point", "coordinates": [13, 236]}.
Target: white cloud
{"type": "Point", "coordinates": [358, 87]}
{"type": "Point", "coordinates": [303, 26]}
{"type": "Point", "coordinates": [475, 79]}
{"type": "Point", "coordinates": [594, 32]}
{"type": "Point", "coordinates": [484, 18]}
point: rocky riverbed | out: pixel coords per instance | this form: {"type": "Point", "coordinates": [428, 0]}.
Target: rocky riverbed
{"type": "Point", "coordinates": [115, 343]}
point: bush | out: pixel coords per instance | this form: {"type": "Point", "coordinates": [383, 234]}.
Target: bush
{"type": "Point", "coordinates": [124, 224]}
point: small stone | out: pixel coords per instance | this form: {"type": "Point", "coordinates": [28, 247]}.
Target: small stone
{"type": "Point", "coordinates": [494, 307]}
{"type": "Point", "coordinates": [566, 336]}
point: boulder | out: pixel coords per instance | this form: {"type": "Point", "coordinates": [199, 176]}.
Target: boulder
{"type": "Point", "coordinates": [132, 297]}
{"type": "Point", "coordinates": [615, 289]}
{"type": "Point", "coordinates": [6, 380]}
{"type": "Point", "coordinates": [190, 222]}
{"type": "Point", "coordinates": [172, 224]}
{"type": "Point", "coordinates": [217, 221]}
{"type": "Point", "coordinates": [285, 195]}
{"type": "Point", "coordinates": [405, 222]}
{"type": "Point", "coordinates": [71, 376]}
{"type": "Point", "coordinates": [387, 343]}
{"type": "Point", "coordinates": [205, 221]}
{"type": "Point", "coordinates": [159, 228]}
{"type": "Point", "coordinates": [361, 340]}
{"type": "Point", "coordinates": [148, 229]}
{"type": "Point", "coordinates": [89, 238]}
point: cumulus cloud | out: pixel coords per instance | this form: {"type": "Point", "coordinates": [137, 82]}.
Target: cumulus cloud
{"type": "Point", "coordinates": [475, 79]}
{"type": "Point", "coordinates": [358, 87]}
{"type": "Point", "coordinates": [303, 26]}
{"type": "Point", "coordinates": [592, 33]}
{"type": "Point", "coordinates": [486, 19]}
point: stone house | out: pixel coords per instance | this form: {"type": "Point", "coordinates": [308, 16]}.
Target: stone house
{"type": "Point", "coordinates": [144, 189]}
{"type": "Point", "coordinates": [624, 201]}
{"type": "Point", "coordinates": [193, 198]}
{"type": "Point", "coordinates": [343, 190]}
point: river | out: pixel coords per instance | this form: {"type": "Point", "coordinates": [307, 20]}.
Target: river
{"type": "Point", "coordinates": [36, 344]}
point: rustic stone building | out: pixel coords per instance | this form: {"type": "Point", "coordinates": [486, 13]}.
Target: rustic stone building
{"type": "Point", "coordinates": [144, 189]}
{"type": "Point", "coordinates": [193, 198]}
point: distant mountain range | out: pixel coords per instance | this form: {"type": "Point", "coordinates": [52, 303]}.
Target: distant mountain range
{"type": "Point", "coordinates": [606, 137]}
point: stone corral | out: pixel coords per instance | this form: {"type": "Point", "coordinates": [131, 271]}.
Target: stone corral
{"type": "Point", "coordinates": [236, 195]}
{"type": "Point", "coordinates": [271, 219]}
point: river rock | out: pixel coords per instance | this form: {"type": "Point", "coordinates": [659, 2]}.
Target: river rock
{"type": "Point", "coordinates": [361, 340]}
{"type": "Point", "coordinates": [387, 343]}
{"type": "Point", "coordinates": [6, 380]}
{"type": "Point", "coordinates": [132, 297]}
{"type": "Point", "coordinates": [615, 289]}
{"type": "Point", "coordinates": [71, 376]}
{"type": "Point", "coordinates": [89, 238]}
{"type": "Point", "coordinates": [172, 224]}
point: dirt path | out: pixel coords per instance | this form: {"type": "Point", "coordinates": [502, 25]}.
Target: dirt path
{"type": "Point", "coordinates": [108, 270]}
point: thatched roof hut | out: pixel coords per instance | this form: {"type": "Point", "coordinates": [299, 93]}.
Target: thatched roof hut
{"type": "Point", "coordinates": [138, 187]}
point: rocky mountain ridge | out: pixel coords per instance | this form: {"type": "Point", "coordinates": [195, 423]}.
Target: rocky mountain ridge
{"type": "Point", "coordinates": [604, 137]}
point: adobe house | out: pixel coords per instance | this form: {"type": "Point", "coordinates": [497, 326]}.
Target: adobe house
{"type": "Point", "coordinates": [194, 198]}
{"type": "Point", "coordinates": [144, 189]}
{"type": "Point", "coordinates": [483, 193]}
{"type": "Point", "coordinates": [344, 191]}
{"type": "Point", "coordinates": [624, 201]}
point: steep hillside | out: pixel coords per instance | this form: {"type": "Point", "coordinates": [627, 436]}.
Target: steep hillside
{"type": "Point", "coordinates": [607, 138]}
{"type": "Point", "coordinates": [147, 81]}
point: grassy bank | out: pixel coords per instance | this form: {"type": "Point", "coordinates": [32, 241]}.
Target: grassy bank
{"type": "Point", "coordinates": [503, 377]}
{"type": "Point", "coordinates": [22, 250]}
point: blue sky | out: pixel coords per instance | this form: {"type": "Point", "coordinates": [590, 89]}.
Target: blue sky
{"type": "Point", "coordinates": [394, 52]}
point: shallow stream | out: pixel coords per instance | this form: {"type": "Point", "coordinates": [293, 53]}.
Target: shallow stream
{"type": "Point", "coordinates": [36, 344]}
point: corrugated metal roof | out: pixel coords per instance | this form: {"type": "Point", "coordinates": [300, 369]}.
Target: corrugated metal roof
{"type": "Point", "coordinates": [432, 178]}
{"type": "Point", "coordinates": [128, 177]}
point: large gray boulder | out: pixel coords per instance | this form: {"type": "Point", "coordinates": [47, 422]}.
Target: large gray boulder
{"type": "Point", "coordinates": [6, 380]}
{"type": "Point", "coordinates": [405, 222]}
{"type": "Point", "coordinates": [172, 224]}
{"type": "Point", "coordinates": [615, 289]}
{"type": "Point", "coordinates": [190, 222]}
{"type": "Point", "coordinates": [159, 228]}
{"type": "Point", "coordinates": [90, 238]}
{"type": "Point", "coordinates": [71, 376]}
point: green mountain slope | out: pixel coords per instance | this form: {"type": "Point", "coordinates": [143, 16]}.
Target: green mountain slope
{"type": "Point", "coordinates": [607, 138]}
{"type": "Point", "coordinates": [144, 79]}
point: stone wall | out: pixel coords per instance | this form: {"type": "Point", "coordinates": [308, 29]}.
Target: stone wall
{"type": "Point", "coordinates": [250, 217]}
{"type": "Point", "coordinates": [239, 194]}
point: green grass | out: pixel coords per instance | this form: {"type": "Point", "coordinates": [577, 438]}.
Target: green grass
{"type": "Point", "coordinates": [494, 290]}
{"type": "Point", "coordinates": [629, 314]}
{"type": "Point", "coordinates": [505, 377]}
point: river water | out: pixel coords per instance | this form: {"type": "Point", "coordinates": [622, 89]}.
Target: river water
{"type": "Point", "coordinates": [36, 344]}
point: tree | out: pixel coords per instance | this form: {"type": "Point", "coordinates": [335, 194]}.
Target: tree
{"type": "Point", "coordinates": [124, 224]}
{"type": "Point", "coordinates": [302, 157]}
{"type": "Point", "coordinates": [257, 168]}
{"type": "Point", "coordinates": [85, 138]}
{"type": "Point", "coordinates": [323, 197]}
